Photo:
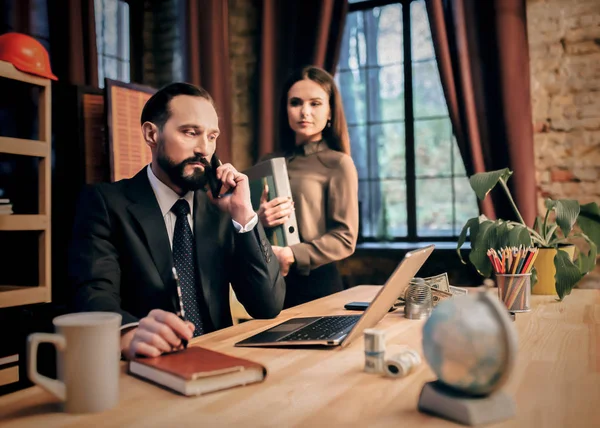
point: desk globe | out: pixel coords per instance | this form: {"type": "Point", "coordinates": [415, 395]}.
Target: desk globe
{"type": "Point", "coordinates": [470, 343]}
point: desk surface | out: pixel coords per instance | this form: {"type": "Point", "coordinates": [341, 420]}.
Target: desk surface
{"type": "Point", "coordinates": [556, 382]}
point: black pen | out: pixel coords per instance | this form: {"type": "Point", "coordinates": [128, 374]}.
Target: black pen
{"type": "Point", "coordinates": [179, 304]}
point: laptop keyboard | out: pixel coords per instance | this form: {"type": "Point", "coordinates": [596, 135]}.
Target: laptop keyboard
{"type": "Point", "coordinates": [323, 329]}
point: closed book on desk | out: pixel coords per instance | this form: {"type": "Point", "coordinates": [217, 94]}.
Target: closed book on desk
{"type": "Point", "coordinates": [197, 371]}
{"type": "Point", "coordinates": [273, 172]}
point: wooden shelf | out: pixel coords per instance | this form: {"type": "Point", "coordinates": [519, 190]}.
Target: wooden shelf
{"type": "Point", "coordinates": [23, 222]}
{"type": "Point", "coordinates": [20, 146]}
{"type": "Point", "coordinates": [8, 71]}
{"type": "Point", "coordinates": [16, 296]}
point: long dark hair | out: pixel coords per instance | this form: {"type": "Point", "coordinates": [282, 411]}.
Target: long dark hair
{"type": "Point", "coordinates": [336, 135]}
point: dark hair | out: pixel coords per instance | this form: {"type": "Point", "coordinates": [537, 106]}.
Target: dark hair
{"type": "Point", "coordinates": [336, 136]}
{"type": "Point", "coordinates": [156, 109]}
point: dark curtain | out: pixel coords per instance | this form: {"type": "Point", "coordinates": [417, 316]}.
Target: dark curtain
{"type": "Point", "coordinates": [483, 58]}
{"type": "Point", "coordinates": [294, 33]}
{"type": "Point", "coordinates": [208, 61]}
{"type": "Point", "coordinates": [73, 41]}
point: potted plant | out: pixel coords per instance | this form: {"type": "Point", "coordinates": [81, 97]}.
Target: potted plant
{"type": "Point", "coordinates": [565, 222]}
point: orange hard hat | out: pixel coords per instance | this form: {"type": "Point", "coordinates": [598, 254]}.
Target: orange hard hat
{"type": "Point", "coordinates": [26, 54]}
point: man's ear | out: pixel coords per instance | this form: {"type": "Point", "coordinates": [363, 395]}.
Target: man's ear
{"type": "Point", "coordinates": [150, 133]}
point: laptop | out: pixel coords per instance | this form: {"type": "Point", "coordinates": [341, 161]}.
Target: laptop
{"type": "Point", "coordinates": [341, 330]}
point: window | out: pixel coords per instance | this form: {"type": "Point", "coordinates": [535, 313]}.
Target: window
{"type": "Point", "coordinates": [412, 181]}
{"type": "Point", "coordinates": [112, 40]}
{"type": "Point", "coordinates": [38, 12]}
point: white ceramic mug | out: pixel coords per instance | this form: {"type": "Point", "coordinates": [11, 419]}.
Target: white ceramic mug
{"type": "Point", "coordinates": [88, 348]}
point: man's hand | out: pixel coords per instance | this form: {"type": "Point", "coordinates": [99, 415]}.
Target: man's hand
{"type": "Point", "coordinates": [286, 258]}
{"type": "Point", "coordinates": [238, 203]}
{"type": "Point", "coordinates": [275, 212]}
{"type": "Point", "coordinates": [157, 333]}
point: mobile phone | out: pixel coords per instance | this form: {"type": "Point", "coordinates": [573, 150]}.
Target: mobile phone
{"type": "Point", "coordinates": [356, 306]}
{"type": "Point", "coordinates": [211, 175]}
{"type": "Point", "coordinates": [360, 306]}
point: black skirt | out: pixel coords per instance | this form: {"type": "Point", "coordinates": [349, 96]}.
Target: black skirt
{"type": "Point", "coordinates": [320, 282]}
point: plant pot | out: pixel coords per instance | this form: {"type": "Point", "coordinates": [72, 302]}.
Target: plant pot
{"type": "Point", "coordinates": [544, 266]}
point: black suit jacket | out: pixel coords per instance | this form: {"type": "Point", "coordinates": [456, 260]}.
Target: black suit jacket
{"type": "Point", "coordinates": [120, 258]}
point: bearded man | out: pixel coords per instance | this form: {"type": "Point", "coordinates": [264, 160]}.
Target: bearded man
{"type": "Point", "coordinates": [129, 235]}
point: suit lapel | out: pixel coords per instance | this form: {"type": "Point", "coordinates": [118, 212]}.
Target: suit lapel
{"type": "Point", "coordinates": [146, 211]}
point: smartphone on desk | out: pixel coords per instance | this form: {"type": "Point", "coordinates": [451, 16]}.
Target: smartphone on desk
{"type": "Point", "coordinates": [360, 306]}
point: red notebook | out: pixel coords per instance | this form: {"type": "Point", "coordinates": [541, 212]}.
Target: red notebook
{"type": "Point", "coordinates": [196, 371]}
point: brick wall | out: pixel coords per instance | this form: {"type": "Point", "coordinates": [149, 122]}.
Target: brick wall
{"type": "Point", "coordinates": [564, 49]}
{"type": "Point", "coordinates": [244, 35]}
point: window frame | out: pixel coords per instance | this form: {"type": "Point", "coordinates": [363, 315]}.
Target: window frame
{"type": "Point", "coordinates": [409, 132]}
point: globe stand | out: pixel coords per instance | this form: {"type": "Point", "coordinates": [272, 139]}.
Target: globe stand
{"type": "Point", "coordinates": [440, 400]}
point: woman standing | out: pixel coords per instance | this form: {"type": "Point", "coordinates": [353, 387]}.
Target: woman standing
{"type": "Point", "coordinates": [324, 182]}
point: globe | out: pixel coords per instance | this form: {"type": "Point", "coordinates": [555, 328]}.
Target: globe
{"type": "Point", "coordinates": [470, 343]}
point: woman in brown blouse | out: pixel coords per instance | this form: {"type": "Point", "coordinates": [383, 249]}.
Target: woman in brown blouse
{"type": "Point", "coordinates": [324, 182]}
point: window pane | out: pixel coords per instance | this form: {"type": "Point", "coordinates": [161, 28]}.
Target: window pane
{"type": "Point", "coordinates": [466, 202]}
{"type": "Point", "coordinates": [434, 207]}
{"type": "Point", "coordinates": [124, 74]}
{"type": "Point", "coordinates": [364, 201]}
{"type": "Point", "coordinates": [123, 37]}
{"type": "Point", "coordinates": [106, 26]}
{"type": "Point", "coordinates": [459, 164]}
{"type": "Point", "coordinates": [428, 95]}
{"type": "Point", "coordinates": [38, 13]}
{"type": "Point", "coordinates": [353, 51]}
{"type": "Point", "coordinates": [352, 86]}
{"type": "Point", "coordinates": [100, 71]}
{"type": "Point", "coordinates": [433, 144]}
{"type": "Point", "coordinates": [387, 151]}
{"type": "Point", "coordinates": [111, 68]}
{"type": "Point", "coordinates": [358, 147]}
{"type": "Point", "coordinates": [386, 93]}
{"type": "Point", "coordinates": [391, 221]}
{"type": "Point", "coordinates": [384, 35]}
{"type": "Point", "coordinates": [422, 45]}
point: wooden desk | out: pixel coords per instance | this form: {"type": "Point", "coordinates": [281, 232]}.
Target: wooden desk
{"type": "Point", "coordinates": [556, 382]}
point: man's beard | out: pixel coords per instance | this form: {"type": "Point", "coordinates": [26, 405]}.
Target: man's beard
{"type": "Point", "coordinates": [175, 171]}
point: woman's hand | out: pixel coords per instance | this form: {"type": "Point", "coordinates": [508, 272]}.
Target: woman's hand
{"type": "Point", "coordinates": [286, 258]}
{"type": "Point", "coordinates": [275, 212]}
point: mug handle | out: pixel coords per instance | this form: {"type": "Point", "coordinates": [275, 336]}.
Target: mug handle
{"type": "Point", "coordinates": [53, 386]}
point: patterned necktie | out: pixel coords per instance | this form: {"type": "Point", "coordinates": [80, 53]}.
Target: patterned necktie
{"type": "Point", "coordinates": [184, 258]}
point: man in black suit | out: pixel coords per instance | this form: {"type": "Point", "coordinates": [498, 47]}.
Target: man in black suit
{"type": "Point", "coordinates": [129, 235]}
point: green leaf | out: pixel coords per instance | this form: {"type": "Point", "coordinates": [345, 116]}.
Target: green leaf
{"type": "Point", "coordinates": [550, 234]}
{"type": "Point", "coordinates": [586, 262]}
{"type": "Point", "coordinates": [567, 274]}
{"type": "Point", "coordinates": [483, 182]}
{"type": "Point", "coordinates": [567, 211]}
{"type": "Point", "coordinates": [478, 254]}
{"type": "Point", "coordinates": [463, 235]}
{"type": "Point", "coordinates": [518, 235]}
{"type": "Point", "coordinates": [589, 221]}
{"type": "Point", "coordinates": [537, 225]}
{"type": "Point", "coordinates": [533, 277]}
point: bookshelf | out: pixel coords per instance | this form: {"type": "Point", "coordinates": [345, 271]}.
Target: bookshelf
{"type": "Point", "coordinates": [15, 295]}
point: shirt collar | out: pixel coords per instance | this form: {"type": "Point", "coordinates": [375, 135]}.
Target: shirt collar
{"type": "Point", "coordinates": [314, 147]}
{"type": "Point", "coordinates": [308, 149]}
{"type": "Point", "coordinates": [165, 196]}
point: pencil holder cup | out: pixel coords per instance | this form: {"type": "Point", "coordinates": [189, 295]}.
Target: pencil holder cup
{"type": "Point", "coordinates": [515, 291]}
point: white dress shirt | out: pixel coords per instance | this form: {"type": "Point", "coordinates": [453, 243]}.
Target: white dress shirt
{"type": "Point", "coordinates": [166, 198]}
